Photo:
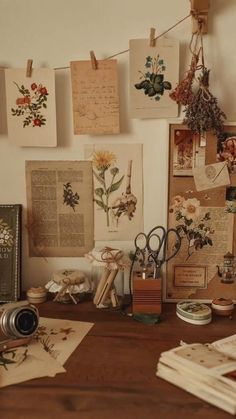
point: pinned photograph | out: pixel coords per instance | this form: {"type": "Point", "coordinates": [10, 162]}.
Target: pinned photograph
{"type": "Point", "coordinates": [226, 151]}
{"type": "Point", "coordinates": [187, 152]}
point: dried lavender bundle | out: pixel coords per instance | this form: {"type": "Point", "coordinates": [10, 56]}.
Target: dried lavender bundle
{"type": "Point", "coordinates": [203, 112]}
{"type": "Point", "coordinates": [183, 93]}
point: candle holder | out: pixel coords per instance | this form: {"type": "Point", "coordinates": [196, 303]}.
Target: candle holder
{"type": "Point", "coordinates": [227, 271]}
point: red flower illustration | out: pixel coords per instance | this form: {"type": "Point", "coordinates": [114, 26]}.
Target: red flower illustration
{"type": "Point", "coordinates": [34, 86]}
{"type": "Point", "coordinates": [43, 91]}
{"type": "Point", "coordinates": [37, 122]}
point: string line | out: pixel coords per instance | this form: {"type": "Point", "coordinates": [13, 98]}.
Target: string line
{"type": "Point", "coordinates": [127, 50]}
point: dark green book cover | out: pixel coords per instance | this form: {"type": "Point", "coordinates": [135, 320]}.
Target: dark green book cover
{"type": "Point", "coordinates": [10, 252]}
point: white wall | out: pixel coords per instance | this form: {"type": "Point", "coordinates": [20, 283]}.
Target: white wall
{"type": "Point", "coordinates": [54, 32]}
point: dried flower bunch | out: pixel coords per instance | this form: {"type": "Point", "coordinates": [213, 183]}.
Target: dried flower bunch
{"type": "Point", "coordinates": [183, 93]}
{"type": "Point", "coordinates": [203, 113]}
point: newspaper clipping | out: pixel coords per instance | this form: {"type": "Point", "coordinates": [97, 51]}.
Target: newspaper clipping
{"type": "Point", "coordinates": [60, 208]}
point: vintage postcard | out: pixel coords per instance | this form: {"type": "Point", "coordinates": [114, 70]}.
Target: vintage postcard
{"type": "Point", "coordinates": [95, 97]}
{"type": "Point", "coordinates": [226, 150]}
{"type": "Point", "coordinates": [31, 107]}
{"type": "Point", "coordinates": [187, 152]}
{"type": "Point", "coordinates": [206, 236]}
{"type": "Point", "coordinates": [118, 190]}
{"type": "Point", "coordinates": [211, 176]}
{"type": "Point", "coordinates": [154, 71]}
{"type": "Point", "coordinates": [230, 199]}
{"type": "Point", "coordinates": [45, 356]}
{"type": "Point", "coordinates": [60, 208]}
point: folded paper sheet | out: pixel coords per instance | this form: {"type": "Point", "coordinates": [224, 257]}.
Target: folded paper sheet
{"type": "Point", "coordinates": [46, 355]}
{"type": "Point", "coordinates": [31, 107]}
{"type": "Point", "coordinates": [211, 176]}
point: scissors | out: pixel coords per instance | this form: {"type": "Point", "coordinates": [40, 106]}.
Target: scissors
{"type": "Point", "coordinates": [153, 247]}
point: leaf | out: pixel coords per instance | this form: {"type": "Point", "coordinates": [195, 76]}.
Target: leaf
{"type": "Point", "coordinates": [44, 105]}
{"type": "Point", "coordinates": [101, 204]}
{"type": "Point", "coordinates": [100, 180]}
{"type": "Point", "coordinates": [115, 185]}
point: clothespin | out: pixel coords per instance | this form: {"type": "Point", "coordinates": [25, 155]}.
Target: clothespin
{"type": "Point", "coordinates": [29, 68]}
{"type": "Point", "coordinates": [93, 60]}
{"type": "Point", "coordinates": [199, 10]}
{"type": "Point", "coordinates": [152, 41]}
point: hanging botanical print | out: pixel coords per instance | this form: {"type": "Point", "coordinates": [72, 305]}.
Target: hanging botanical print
{"type": "Point", "coordinates": [153, 72]}
{"type": "Point", "coordinates": [118, 202]}
{"type": "Point", "coordinates": [31, 111]}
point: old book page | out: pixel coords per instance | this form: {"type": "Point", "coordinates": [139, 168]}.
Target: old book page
{"type": "Point", "coordinates": [95, 97]}
{"type": "Point", "coordinates": [154, 72]}
{"type": "Point", "coordinates": [118, 190]}
{"type": "Point", "coordinates": [31, 107]}
{"type": "Point", "coordinates": [60, 207]}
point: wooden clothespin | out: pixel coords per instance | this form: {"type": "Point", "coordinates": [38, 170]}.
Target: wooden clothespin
{"type": "Point", "coordinates": [199, 10]}
{"type": "Point", "coordinates": [29, 68]}
{"type": "Point", "coordinates": [93, 60]}
{"type": "Point", "coordinates": [152, 41]}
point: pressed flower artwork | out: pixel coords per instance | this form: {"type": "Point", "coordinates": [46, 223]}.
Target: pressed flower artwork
{"type": "Point", "coordinates": [31, 107]}
{"type": "Point", "coordinates": [6, 235]}
{"type": "Point", "coordinates": [30, 104]}
{"type": "Point", "coordinates": [117, 171]}
{"type": "Point", "coordinates": [153, 73]}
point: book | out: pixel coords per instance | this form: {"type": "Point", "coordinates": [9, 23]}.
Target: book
{"type": "Point", "coordinates": [10, 252]}
{"type": "Point", "coordinates": [207, 371]}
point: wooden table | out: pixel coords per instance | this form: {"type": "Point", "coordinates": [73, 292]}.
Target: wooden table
{"type": "Point", "coordinates": [112, 372]}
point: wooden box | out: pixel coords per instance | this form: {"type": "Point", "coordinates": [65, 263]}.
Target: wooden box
{"type": "Point", "coordinates": [146, 295]}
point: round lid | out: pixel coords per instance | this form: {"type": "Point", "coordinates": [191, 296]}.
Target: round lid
{"type": "Point", "coordinates": [222, 302]}
{"type": "Point", "coordinates": [193, 310]}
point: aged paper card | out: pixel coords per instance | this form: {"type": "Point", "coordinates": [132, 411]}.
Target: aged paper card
{"type": "Point", "coordinates": [60, 207]}
{"type": "Point", "coordinates": [187, 152]}
{"type": "Point", "coordinates": [211, 176]}
{"type": "Point", "coordinates": [154, 71]}
{"type": "Point", "coordinates": [31, 107]}
{"type": "Point", "coordinates": [95, 97]}
{"type": "Point", "coordinates": [118, 190]}
{"type": "Point", "coordinates": [55, 341]}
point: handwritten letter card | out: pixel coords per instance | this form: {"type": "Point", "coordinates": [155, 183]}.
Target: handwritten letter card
{"type": "Point", "coordinates": [31, 107]}
{"type": "Point", "coordinates": [95, 97]}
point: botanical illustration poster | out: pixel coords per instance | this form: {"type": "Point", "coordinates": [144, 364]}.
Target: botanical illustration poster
{"type": "Point", "coordinates": [118, 191]}
{"type": "Point", "coordinates": [60, 207]}
{"type": "Point", "coordinates": [154, 72]}
{"type": "Point", "coordinates": [46, 354]}
{"type": "Point", "coordinates": [187, 152]}
{"type": "Point", "coordinates": [95, 97]}
{"type": "Point", "coordinates": [206, 236]}
{"type": "Point", "coordinates": [31, 107]}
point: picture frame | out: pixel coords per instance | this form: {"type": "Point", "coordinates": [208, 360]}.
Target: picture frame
{"type": "Point", "coordinates": [10, 252]}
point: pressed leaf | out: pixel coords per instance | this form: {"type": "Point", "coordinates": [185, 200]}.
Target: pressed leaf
{"type": "Point", "coordinates": [115, 185]}
{"type": "Point", "coordinates": [100, 180]}
{"type": "Point", "coordinates": [101, 204]}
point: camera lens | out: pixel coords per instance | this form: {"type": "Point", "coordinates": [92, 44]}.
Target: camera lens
{"type": "Point", "coordinates": [26, 322]}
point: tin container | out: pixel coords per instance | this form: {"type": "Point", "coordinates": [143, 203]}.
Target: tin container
{"type": "Point", "coordinates": [222, 306]}
{"type": "Point", "coordinates": [194, 312]}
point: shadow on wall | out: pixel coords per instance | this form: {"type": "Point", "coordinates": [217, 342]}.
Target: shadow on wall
{"type": "Point", "coordinates": [125, 123]}
{"type": "Point", "coordinates": [3, 105]}
{"type": "Point", "coordinates": [64, 108]}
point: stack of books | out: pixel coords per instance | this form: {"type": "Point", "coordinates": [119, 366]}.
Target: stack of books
{"type": "Point", "coordinates": [206, 370]}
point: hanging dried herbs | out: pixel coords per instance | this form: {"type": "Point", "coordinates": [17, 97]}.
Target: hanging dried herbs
{"type": "Point", "coordinates": [203, 113]}
{"type": "Point", "coordinates": [183, 93]}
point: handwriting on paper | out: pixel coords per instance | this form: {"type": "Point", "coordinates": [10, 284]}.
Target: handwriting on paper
{"type": "Point", "coordinates": [95, 97]}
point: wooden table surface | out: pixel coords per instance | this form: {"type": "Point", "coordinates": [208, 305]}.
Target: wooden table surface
{"type": "Point", "coordinates": [111, 374]}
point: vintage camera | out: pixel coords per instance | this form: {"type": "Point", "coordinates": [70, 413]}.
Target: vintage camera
{"type": "Point", "coordinates": [18, 323]}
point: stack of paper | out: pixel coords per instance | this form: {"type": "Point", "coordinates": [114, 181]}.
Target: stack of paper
{"type": "Point", "coordinates": [207, 371]}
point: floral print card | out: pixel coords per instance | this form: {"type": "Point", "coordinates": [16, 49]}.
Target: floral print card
{"type": "Point", "coordinates": [31, 107]}
{"type": "Point", "coordinates": [118, 194]}
{"type": "Point", "coordinates": [154, 71]}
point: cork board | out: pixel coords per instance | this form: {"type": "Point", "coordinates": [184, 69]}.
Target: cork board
{"type": "Point", "coordinates": [205, 219]}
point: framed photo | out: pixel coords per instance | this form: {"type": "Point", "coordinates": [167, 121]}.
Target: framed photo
{"type": "Point", "coordinates": [203, 216]}
{"type": "Point", "coordinates": [10, 252]}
